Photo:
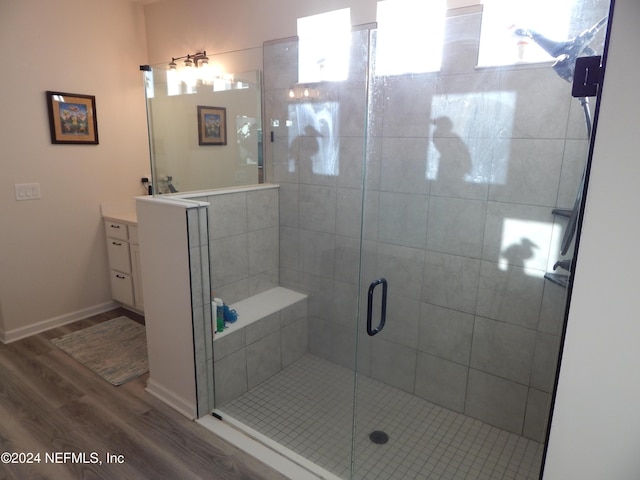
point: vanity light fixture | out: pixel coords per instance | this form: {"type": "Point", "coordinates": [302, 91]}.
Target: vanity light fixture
{"type": "Point", "coordinates": [196, 67]}
{"type": "Point", "coordinates": [198, 59]}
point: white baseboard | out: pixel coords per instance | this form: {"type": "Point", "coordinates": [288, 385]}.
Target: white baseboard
{"type": "Point", "coordinates": [165, 395]}
{"type": "Point", "coordinates": [8, 336]}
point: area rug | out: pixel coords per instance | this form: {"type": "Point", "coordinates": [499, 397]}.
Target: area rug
{"type": "Point", "coordinates": [116, 349]}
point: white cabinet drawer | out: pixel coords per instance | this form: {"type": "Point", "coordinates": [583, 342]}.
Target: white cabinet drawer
{"type": "Point", "coordinates": [124, 261]}
{"type": "Point", "coordinates": [118, 251]}
{"type": "Point", "coordinates": [116, 230]}
{"type": "Point", "coordinates": [122, 287]}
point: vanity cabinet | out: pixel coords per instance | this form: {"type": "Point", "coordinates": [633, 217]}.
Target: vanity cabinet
{"type": "Point", "coordinates": [124, 263]}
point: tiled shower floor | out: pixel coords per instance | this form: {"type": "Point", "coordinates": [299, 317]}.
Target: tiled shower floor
{"type": "Point", "coordinates": [307, 407]}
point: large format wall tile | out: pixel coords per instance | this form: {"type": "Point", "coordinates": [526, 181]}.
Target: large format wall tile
{"type": "Point", "coordinates": [317, 208]}
{"type": "Point", "coordinates": [545, 362]}
{"type": "Point", "coordinates": [402, 320]}
{"type": "Point", "coordinates": [456, 226]}
{"type": "Point", "coordinates": [441, 381]}
{"type": "Point", "coordinates": [262, 209]}
{"type": "Point", "coordinates": [446, 333]}
{"type": "Point", "coordinates": [512, 296]}
{"type": "Point", "coordinates": [402, 267]}
{"type": "Point", "coordinates": [407, 105]}
{"type": "Point", "coordinates": [496, 401]}
{"type": "Point", "coordinates": [279, 69]}
{"type": "Point", "coordinates": [393, 364]}
{"type": "Point", "coordinates": [503, 350]}
{"type": "Point", "coordinates": [263, 359]}
{"type": "Point", "coordinates": [404, 165]}
{"type": "Point", "coordinates": [295, 341]}
{"type": "Point", "coordinates": [451, 281]}
{"type": "Point", "coordinates": [348, 212]}
{"type": "Point", "coordinates": [531, 173]}
{"type": "Point", "coordinates": [263, 250]}
{"type": "Point", "coordinates": [227, 215]}
{"type": "Point", "coordinates": [230, 377]}
{"type": "Point", "coordinates": [537, 416]}
{"type": "Point", "coordinates": [518, 235]}
{"type": "Point", "coordinates": [543, 102]}
{"type": "Point", "coordinates": [460, 167]}
{"type": "Point", "coordinates": [463, 168]}
{"type": "Point", "coordinates": [229, 260]}
{"type": "Point", "coordinates": [244, 246]}
{"type": "Point", "coordinates": [317, 253]}
{"type": "Point", "coordinates": [402, 219]}
{"type": "Point", "coordinates": [574, 163]}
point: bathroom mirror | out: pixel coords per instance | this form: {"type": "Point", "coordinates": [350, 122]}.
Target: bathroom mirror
{"type": "Point", "coordinates": [203, 134]}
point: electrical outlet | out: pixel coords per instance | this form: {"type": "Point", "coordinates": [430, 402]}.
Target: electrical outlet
{"type": "Point", "coordinates": [27, 191]}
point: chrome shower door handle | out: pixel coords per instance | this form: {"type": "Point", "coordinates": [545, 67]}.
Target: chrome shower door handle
{"type": "Point", "coordinates": [383, 312]}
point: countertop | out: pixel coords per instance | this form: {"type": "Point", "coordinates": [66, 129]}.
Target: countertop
{"type": "Point", "coordinates": [129, 218]}
{"type": "Point", "coordinates": [120, 211]}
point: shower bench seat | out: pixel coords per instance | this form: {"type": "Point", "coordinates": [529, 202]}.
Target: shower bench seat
{"type": "Point", "coordinates": [261, 306]}
{"type": "Point", "coordinates": [271, 333]}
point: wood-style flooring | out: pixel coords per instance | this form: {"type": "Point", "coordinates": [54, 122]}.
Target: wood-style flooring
{"type": "Point", "coordinates": [50, 404]}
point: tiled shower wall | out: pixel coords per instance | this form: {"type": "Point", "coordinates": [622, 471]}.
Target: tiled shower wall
{"type": "Point", "coordinates": [463, 170]}
{"type": "Point", "coordinates": [233, 248]}
{"type": "Point", "coordinates": [243, 242]}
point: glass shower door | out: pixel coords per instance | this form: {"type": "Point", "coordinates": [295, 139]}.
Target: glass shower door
{"type": "Point", "coordinates": [470, 184]}
{"type": "Point", "coordinates": [423, 215]}
{"type": "Point", "coordinates": [288, 379]}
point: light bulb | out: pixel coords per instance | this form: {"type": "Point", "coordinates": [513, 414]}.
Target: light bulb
{"type": "Point", "coordinates": [173, 82]}
{"type": "Point", "coordinates": [189, 76]}
{"type": "Point", "coordinates": [206, 72]}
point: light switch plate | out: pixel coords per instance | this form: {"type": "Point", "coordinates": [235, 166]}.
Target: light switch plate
{"type": "Point", "coordinates": [27, 191]}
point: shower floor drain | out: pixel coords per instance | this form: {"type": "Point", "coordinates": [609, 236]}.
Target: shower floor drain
{"type": "Point", "coordinates": [379, 437]}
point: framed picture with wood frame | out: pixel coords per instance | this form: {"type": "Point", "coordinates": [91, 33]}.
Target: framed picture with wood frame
{"type": "Point", "coordinates": [72, 118]}
{"type": "Point", "coordinates": [212, 125]}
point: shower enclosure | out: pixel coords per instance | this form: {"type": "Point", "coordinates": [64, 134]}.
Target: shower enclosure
{"type": "Point", "coordinates": [423, 214]}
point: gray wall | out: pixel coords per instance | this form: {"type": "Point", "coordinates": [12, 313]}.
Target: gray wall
{"type": "Point", "coordinates": [472, 324]}
{"type": "Point", "coordinates": [234, 251]}
{"type": "Point", "coordinates": [243, 242]}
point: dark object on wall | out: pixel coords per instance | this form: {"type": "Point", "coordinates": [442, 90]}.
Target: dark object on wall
{"type": "Point", "coordinates": [72, 118]}
{"type": "Point", "coordinates": [566, 52]}
{"type": "Point", "coordinates": [212, 125]}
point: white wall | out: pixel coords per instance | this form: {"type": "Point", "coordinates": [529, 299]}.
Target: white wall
{"type": "Point", "coordinates": [222, 26]}
{"type": "Point", "coordinates": [217, 26]}
{"type": "Point", "coordinates": [53, 261]}
{"type": "Point", "coordinates": [595, 430]}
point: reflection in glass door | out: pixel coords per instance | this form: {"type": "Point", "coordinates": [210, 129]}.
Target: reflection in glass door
{"type": "Point", "coordinates": [473, 183]}
{"type": "Point", "coordinates": [423, 215]}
